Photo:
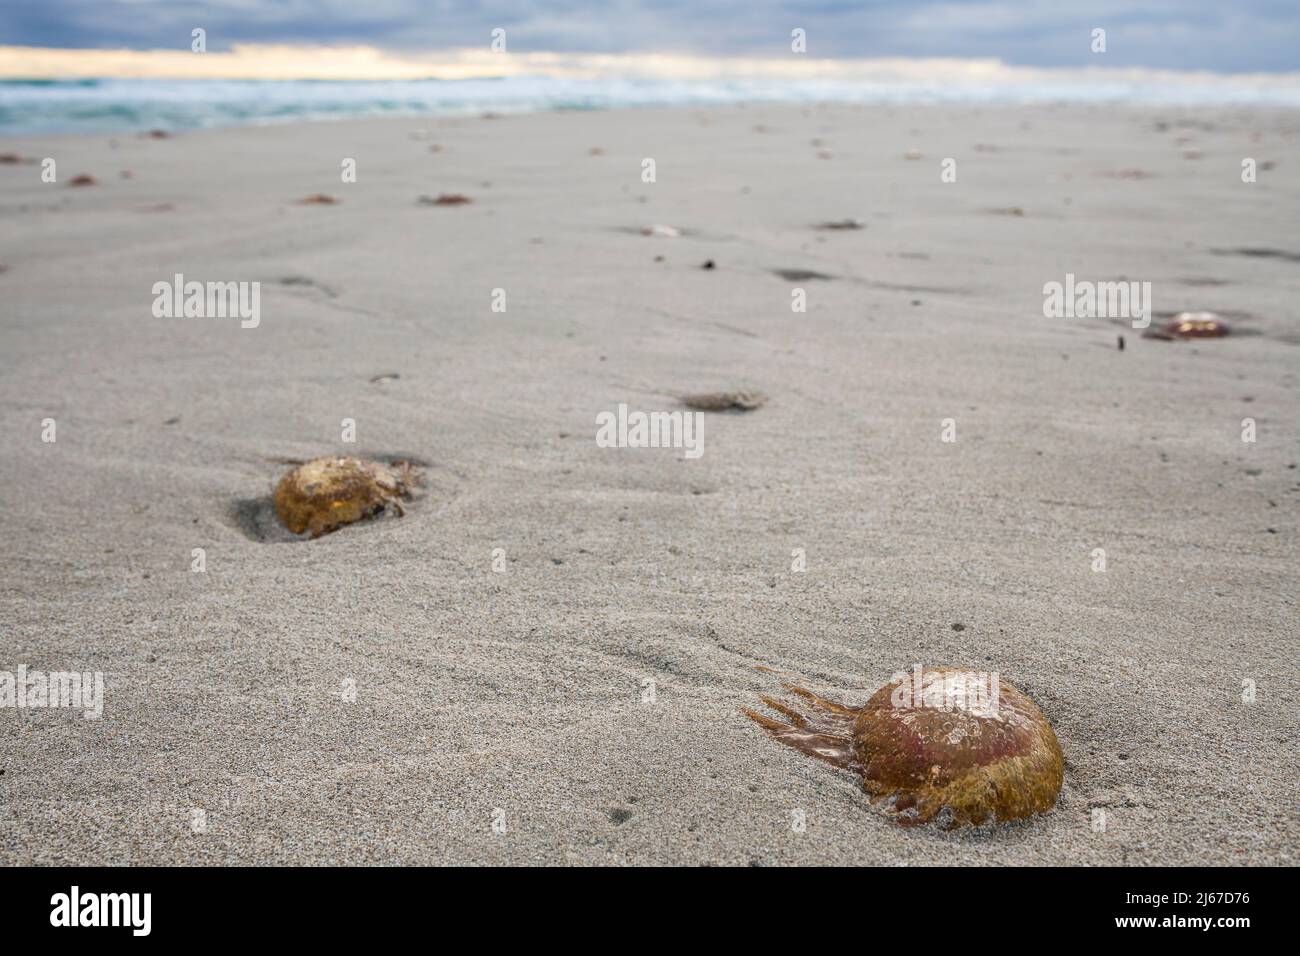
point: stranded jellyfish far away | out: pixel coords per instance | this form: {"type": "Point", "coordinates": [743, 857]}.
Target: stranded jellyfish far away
{"type": "Point", "coordinates": [941, 744]}
{"type": "Point", "coordinates": [1196, 325]}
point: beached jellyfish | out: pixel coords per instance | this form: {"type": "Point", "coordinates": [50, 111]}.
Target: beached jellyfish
{"type": "Point", "coordinates": [327, 493]}
{"type": "Point", "coordinates": [937, 744]}
{"type": "Point", "coordinates": [1196, 325]}
{"type": "Point", "coordinates": [741, 401]}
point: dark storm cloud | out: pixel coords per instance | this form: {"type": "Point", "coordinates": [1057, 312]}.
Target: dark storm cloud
{"type": "Point", "coordinates": [1246, 35]}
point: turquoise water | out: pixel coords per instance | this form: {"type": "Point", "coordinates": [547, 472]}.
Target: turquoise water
{"type": "Point", "coordinates": [113, 105]}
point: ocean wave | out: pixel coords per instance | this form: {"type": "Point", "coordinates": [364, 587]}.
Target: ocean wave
{"type": "Point", "coordinates": [52, 83]}
{"type": "Point", "coordinates": [99, 105]}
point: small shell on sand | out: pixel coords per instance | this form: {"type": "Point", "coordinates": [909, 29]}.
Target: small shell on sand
{"type": "Point", "coordinates": [318, 199]}
{"type": "Point", "coordinates": [942, 744]}
{"type": "Point", "coordinates": [445, 199]}
{"type": "Point", "coordinates": [666, 232]}
{"type": "Point", "coordinates": [1196, 325]}
{"type": "Point", "coordinates": [742, 401]}
{"type": "Point", "coordinates": [912, 154]}
{"type": "Point", "coordinates": [83, 180]}
{"type": "Point", "coordinates": [324, 494]}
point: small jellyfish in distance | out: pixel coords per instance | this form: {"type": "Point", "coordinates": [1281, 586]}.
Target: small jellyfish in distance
{"type": "Point", "coordinates": [1196, 325]}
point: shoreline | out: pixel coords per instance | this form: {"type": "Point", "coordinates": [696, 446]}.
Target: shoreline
{"type": "Point", "coordinates": [290, 102]}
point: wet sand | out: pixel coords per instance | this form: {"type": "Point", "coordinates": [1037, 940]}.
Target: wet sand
{"type": "Point", "coordinates": [382, 695]}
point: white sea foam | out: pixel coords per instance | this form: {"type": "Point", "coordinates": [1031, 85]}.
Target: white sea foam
{"type": "Point", "coordinates": [117, 105]}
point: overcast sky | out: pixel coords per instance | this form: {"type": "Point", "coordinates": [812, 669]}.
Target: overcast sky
{"type": "Point", "coordinates": [1220, 35]}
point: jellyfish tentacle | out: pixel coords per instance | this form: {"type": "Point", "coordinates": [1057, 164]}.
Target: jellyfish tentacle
{"type": "Point", "coordinates": [833, 748]}
{"type": "Point", "coordinates": [795, 718]}
{"type": "Point", "coordinates": [767, 723]}
{"type": "Point", "coordinates": [821, 703]}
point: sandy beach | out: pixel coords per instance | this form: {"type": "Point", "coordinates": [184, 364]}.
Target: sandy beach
{"type": "Point", "coordinates": [383, 695]}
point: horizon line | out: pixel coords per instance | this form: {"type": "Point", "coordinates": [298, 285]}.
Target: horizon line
{"type": "Point", "coordinates": [360, 62]}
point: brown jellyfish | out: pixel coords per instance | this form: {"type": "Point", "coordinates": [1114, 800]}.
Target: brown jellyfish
{"type": "Point", "coordinates": [326, 493]}
{"type": "Point", "coordinates": [1196, 325]}
{"type": "Point", "coordinates": [956, 746]}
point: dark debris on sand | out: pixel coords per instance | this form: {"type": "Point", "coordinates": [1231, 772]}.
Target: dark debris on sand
{"type": "Point", "coordinates": [739, 401]}
{"type": "Point", "coordinates": [445, 199]}
{"type": "Point", "coordinates": [1253, 253]}
{"type": "Point", "coordinates": [800, 275]}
